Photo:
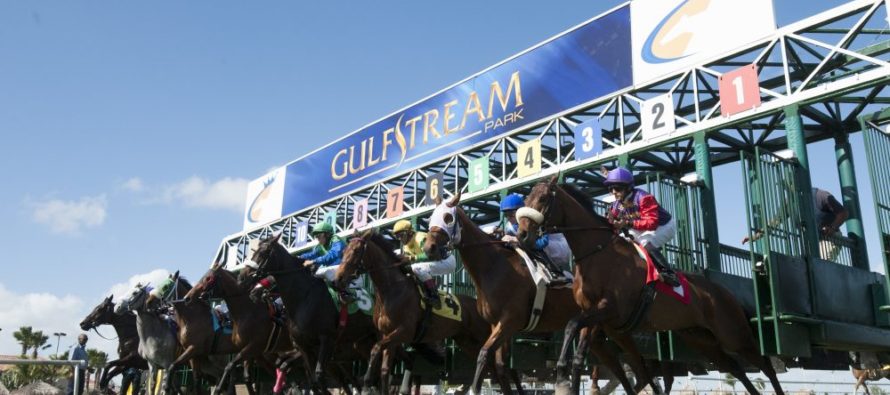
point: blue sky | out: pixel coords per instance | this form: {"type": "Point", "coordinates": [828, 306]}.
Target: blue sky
{"type": "Point", "coordinates": [131, 128]}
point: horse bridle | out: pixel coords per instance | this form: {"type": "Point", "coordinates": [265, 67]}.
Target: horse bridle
{"type": "Point", "coordinates": [543, 229]}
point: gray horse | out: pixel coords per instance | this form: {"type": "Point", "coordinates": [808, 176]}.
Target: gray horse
{"type": "Point", "coordinates": [157, 341]}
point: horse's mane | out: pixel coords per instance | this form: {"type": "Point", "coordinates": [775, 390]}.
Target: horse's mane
{"type": "Point", "coordinates": [582, 198]}
{"type": "Point", "coordinates": [385, 245]}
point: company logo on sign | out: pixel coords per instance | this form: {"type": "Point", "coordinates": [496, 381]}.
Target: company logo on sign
{"type": "Point", "coordinates": [264, 198]}
{"type": "Point", "coordinates": [255, 210]}
{"type": "Point", "coordinates": [502, 108]}
{"type": "Point", "coordinates": [670, 35]}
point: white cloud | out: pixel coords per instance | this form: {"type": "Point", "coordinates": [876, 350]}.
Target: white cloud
{"type": "Point", "coordinates": [123, 289]}
{"type": "Point", "coordinates": [42, 311]}
{"type": "Point", "coordinates": [70, 216]}
{"type": "Point", "coordinates": [134, 184]}
{"type": "Point", "coordinates": [227, 193]}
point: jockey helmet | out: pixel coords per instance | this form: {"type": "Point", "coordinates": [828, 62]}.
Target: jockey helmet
{"type": "Point", "coordinates": [619, 176]}
{"type": "Point", "coordinates": [322, 227]}
{"type": "Point", "coordinates": [512, 201]}
{"type": "Point", "coordinates": [401, 226]}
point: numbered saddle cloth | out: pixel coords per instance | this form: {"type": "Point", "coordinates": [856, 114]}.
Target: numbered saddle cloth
{"type": "Point", "coordinates": [449, 308]}
{"type": "Point", "coordinates": [680, 292]}
{"type": "Point", "coordinates": [361, 300]}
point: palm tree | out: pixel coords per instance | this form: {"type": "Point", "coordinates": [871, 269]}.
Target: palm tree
{"type": "Point", "coordinates": [730, 380]}
{"type": "Point", "coordinates": [39, 340]}
{"type": "Point", "coordinates": [24, 336]}
{"type": "Point", "coordinates": [96, 361]}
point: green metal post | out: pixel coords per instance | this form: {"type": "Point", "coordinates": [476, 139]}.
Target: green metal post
{"type": "Point", "coordinates": [850, 194]}
{"type": "Point", "coordinates": [798, 145]}
{"type": "Point", "coordinates": [708, 205]}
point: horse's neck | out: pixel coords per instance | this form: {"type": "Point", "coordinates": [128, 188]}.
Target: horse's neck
{"type": "Point", "coordinates": [191, 313]}
{"type": "Point", "coordinates": [389, 281]}
{"type": "Point", "coordinates": [239, 303]}
{"type": "Point", "coordinates": [124, 325]}
{"type": "Point", "coordinates": [149, 325]}
{"type": "Point", "coordinates": [479, 260]}
{"type": "Point", "coordinates": [295, 281]}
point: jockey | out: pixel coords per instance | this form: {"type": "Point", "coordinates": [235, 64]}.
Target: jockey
{"type": "Point", "coordinates": [553, 248]}
{"type": "Point", "coordinates": [326, 255]}
{"type": "Point", "coordinates": [637, 211]}
{"type": "Point", "coordinates": [423, 268]}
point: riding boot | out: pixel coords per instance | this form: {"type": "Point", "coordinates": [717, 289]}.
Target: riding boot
{"type": "Point", "coordinates": [557, 277]}
{"type": "Point", "coordinates": [664, 270]}
{"type": "Point", "coordinates": [432, 293]}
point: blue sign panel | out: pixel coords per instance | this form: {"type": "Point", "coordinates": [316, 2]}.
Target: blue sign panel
{"type": "Point", "coordinates": [588, 62]}
{"type": "Point", "coordinates": [588, 139]}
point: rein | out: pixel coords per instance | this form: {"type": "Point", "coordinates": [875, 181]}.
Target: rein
{"type": "Point", "coordinates": [95, 329]}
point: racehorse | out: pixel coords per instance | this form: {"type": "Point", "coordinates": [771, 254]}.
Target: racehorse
{"type": "Point", "coordinates": [610, 275]}
{"type": "Point", "coordinates": [127, 344]}
{"type": "Point", "coordinates": [157, 341]}
{"type": "Point", "coordinates": [314, 323]}
{"type": "Point", "coordinates": [398, 314]}
{"type": "Point", "coordinates": [254, 333]}
{"type": "Point", "coordinates": [505, 291]}
{"type": "Point", "coordinates": [863, 375]}
{"type": "Point", "coordinates": [204, 345]}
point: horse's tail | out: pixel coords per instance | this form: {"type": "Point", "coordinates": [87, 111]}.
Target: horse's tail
{"type": "Point", "coordinates": [430, 353]}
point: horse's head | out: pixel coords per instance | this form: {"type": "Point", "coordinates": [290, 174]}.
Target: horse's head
{"type": "Point", "coordinates": [135, 301]}
{"type": "Point", "coordinates": [207, 287]}
{"type": "Point", "coordinates": [269, 256]}
{"type": "Point", "coordinates": [103, 314]}
{"type": "Point", "coordinates": [369, 251]}
{"type": "Point", "coordinates": [445, 230]}
{"type": "Point", "coordinates": [541, 207]}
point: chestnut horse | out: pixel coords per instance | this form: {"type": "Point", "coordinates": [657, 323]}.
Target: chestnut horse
{"type": "Point", "coordinates": [505, 292]}
{"type": "Point", "coordinates": [610, 275]}
{"type": "Point", "coordinates": [398, 313]}
{"type": "Point", "coordinates": [127, 343]}
{"type": "Point", "coordinates": [252, 326]}
{"type": "Point", "coordinates": [313, 319]}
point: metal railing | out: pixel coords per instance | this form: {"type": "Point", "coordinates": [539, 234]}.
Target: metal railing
{"type": "Point", "coordinates": [736, 261]}
{"type": "Point", "coordinates": [78, 367]}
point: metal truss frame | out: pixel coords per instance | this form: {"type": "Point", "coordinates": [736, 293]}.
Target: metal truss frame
{"type": "Point", "coordinates": [833, 66]}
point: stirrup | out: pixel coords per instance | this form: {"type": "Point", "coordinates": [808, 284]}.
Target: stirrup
{"type": "Point", "coordinates": [433, 299]}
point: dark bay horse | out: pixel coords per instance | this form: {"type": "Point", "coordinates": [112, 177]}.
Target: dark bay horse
{"type": "Point", "coordinates": [313, 318]}
{"type": "Point", "coordinates": [127, 343]}
{"type": "Point", "coordinates": [505, 290]}
{"type": "Point", "coordinates": [610, 276]}
{"type": "Point", "coordinates": [254, 332]}
{"type": "Point", "coordinates": [398, 313]}
{"type": "Point", "coordinates": [204, 347]}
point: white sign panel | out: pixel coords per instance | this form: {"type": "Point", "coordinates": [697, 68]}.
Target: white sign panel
{"type": "Point", "coordinates": [657, 116]}
{"type": "Point", "coordinates": [264, 199]}
{"type": "Point", "coordinates": [671, 35]}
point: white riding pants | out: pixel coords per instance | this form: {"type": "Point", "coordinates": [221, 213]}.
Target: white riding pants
{"type": "Point", "coordinates": [658, 237]}
{"type": "Point", "coordinates": [426, 270]}
{"type": "Point", "coordinates": [328, 272]}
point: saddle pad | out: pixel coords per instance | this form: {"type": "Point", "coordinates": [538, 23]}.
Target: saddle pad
{"type": "Point", "coordinates": [680, 293]}
{"type": "Point", "coordinates": [361, 301]}
{"type": "Point", "coordinates": [539, 272]}
{"type": "Point", "coordinates": [449, 308]}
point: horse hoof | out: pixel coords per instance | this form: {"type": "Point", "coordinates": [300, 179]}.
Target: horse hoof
{"type": "Point", "coordinates": [563, 388]}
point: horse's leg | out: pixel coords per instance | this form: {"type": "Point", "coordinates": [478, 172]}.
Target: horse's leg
{"type": "Point", "coordinates": [763, 363]}
{"type": "Point", "coordinates": [169, 376]}
{"type": "Point", "coordinates": [494, 341]}
{"type": "Point", "coordinates": [563, 385]}
{"type": "Point", "coordinates": [373, 360]}
{"type": "Point", "coordinates": [708, 345]}
{"type": "Point", "coordinates": [578, 359]}
{"type": "Point", "coordinates": [325, 350]}
{"type": "Point", "coordinates": [500, 367]}
{"type": "Point", "coordinates": [610, 361]}
{"type": "Point", "coordinates": [226, 374]}
{"type": "Point", "coordinates": [384, 369]}
{"type": "Point", "coordinates": [108, 373]}
{"type": "Point", "coordinates": [636, 362]}
{"type": "Point", "coordinates": [667, 373]}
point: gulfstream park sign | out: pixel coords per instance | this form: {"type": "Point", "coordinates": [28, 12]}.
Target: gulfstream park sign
{"type": "Point", "coordinates": [587, 62]}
